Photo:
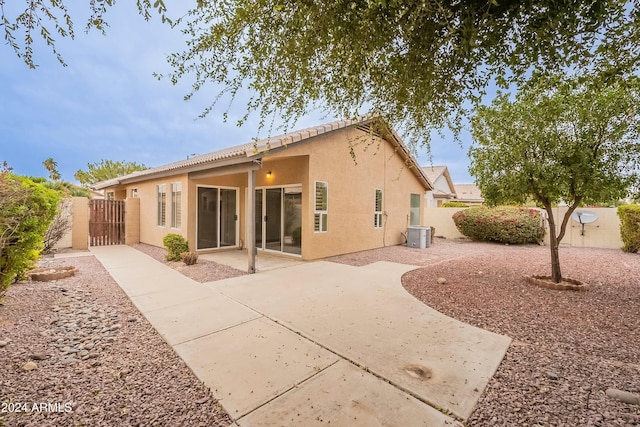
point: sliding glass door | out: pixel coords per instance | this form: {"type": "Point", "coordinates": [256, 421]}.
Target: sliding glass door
{"type": "Point", "coordinates": [292, 230]}
{"type": "Point", "coordinates": [279, 219]}
{"type": "Point", "coordinates": [217, 217]}
{"type": "Point", "coordinates": [273, 219]}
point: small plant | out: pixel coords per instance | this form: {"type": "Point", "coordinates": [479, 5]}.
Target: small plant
{"type": "Point", "coordinates": [455, 205]}
{"type": "Point", "coordinates": [630, 227]}
{"type": "Point", "coordinates": [189, 258]}
{"type": "Point", "coordinates": [176, 245]}
{"type": "Point", "coordinates": [503, 224]}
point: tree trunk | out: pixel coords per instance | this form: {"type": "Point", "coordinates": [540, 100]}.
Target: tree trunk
{"type": "Point", "coordinates": [556, 274]}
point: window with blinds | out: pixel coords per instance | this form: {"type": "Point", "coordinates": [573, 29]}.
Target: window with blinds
{"type": "Point", "coordinates": [162, 204]}
{"type": "Point", "coordinates": [377, 216]}
{"type": "Point", "coordinates": [176, 205]}
{"type": "Point", "coordinates": [321, 211]}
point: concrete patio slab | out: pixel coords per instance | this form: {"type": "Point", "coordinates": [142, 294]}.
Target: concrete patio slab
{"type": "Point", "coordinates": [264, 261]}
{"type": "Point", "coordinates": [367, 317]}
{"type": "Point", "coordinates": [248, 365]}
{"type": "Point", "coordinates": [344, 395]}
{"type": "Point", "coordinates": [194, 319]}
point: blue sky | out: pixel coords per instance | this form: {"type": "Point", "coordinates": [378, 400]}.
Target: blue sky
{"type": "Point", "coordinates": [107, 105]}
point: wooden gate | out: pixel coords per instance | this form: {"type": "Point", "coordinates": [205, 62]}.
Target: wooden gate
{"type": "Point", "coordinates": [106, 222]}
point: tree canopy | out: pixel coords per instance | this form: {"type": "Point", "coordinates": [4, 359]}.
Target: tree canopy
{"type": "Point", "coordinates": [415, 62]}
{"type": "Point", "coordinates": [106, 169]}
{"type": "Point", "coordinates": [572, 140]}
{"type": "Point", "coordinates": [47, 20]}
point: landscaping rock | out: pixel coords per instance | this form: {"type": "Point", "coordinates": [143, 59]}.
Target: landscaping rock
{"type": "Point", "coordinates": [441, 280]}
{"type": "Point", "coordinates": [3, 344]}
{"type": "Point", "coordinates": [83, 328]}
{"type": "Point", "coordinates": [30, 366]}
{"type": "Point", "coordinates": [38, 356]}
{"type": "Point", "coordinates": [624, 396]}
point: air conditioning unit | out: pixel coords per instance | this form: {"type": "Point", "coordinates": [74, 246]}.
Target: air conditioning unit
{"type": "Point", "coordinates": [418, 237]}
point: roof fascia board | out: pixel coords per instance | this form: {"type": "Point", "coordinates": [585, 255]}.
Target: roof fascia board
{"type": "Point", "coordinates": [188, 169]}
{"type": "Point", "coordinates": [247, 166]}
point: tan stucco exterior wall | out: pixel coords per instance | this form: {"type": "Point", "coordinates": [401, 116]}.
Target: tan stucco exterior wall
{"type": "Point", "coordinates": [150, 232]}
{"type": "Point", "coordinates": [351, 192]}
{"type": "Point", "coordinates": [441, 219]}
{"type": "Point", "coordinates": [132, 221]}
{"type": "Point", "coordinates": [604, 233]}
{"type": "Point", "coordinates": [80, 227]}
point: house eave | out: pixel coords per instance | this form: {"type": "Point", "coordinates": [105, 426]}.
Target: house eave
{"type": "Point", "coordinates": [215, 164]}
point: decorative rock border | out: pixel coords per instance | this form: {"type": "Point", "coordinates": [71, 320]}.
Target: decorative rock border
{"type": "Point", "coordinates": [45, 274]}
{"type": "Point", "coordinates": [565, 285]}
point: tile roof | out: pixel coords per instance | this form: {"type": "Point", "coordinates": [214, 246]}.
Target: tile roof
{"type": "Point", "coordinates": [469, 192]}
{"type": "Point", "coordinates": [244, 151]}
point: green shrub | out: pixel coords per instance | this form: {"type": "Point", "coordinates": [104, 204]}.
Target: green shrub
{"type": "Point", "coordinates": [26, 210]}
{"type": "Point", "coordinates": [504, 224]}
{"type": "Point", "coordinates": [176, 245]}
{"type": "Point", "coordinates": [630, 227]}
{"type": "Point", "coordinates": [189, 258]}
{"type": "Point", "coordinates": [455, 205]}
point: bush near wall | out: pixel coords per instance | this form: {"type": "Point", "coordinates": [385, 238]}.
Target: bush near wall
{"type": "Point", "coordinates": [455, 205]}
{"type": "Point", "coordinates": [176, 245]}
{"type": "Point", "coordinates": [26, 210]}
{"type": "Point", "coordinates": [630, 227]}
{"type": "Point", "coordinates": [504, 224]}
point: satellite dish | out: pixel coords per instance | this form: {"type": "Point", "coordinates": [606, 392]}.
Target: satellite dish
{"type": "Point", "coordinates": [584, 217]}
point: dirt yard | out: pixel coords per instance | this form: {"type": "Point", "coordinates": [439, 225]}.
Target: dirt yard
{"type": "Point", "coordinates": [77, 352]}
{"type": "Point", "coordinates": [80, 348]}
{"type": "Point", "coordinates": [568, 347]}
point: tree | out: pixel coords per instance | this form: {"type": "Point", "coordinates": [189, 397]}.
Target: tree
{"type": "Point", "coordinates": [47, 19]}
{"type": "Point", "coordinates": [106, 169]}
{"type": "Point", "coordinates": [26, 210]}
{"type": "Point", "coordinates": [52, 167]}
{"type": "Point", "coordinates": [571, 140]}
{"type": "Point", "coordinates": [414, 62]}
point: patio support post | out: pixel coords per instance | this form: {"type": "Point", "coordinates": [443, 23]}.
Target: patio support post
{"type": "Point", "coordinates": [251, 220]}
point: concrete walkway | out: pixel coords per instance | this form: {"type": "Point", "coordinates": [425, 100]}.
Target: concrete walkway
{"type": "Point", "coordinates": [315, 343]}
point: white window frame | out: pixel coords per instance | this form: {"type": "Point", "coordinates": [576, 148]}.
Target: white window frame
{"type": "Point", "coordinates": [111, 195]}
{"type": "Point", "coordinates": [161, 205]}
{"type": "Point", "coordinates": [377, 210]}
{"type": "Point", "coordinates": [134, 193]}
{"type": "Point", "coordinates": [176, 205]}
{"type": "Point", "coordinates": [322, 224]}
{"type": "Point", "coordinates": [411, 207]}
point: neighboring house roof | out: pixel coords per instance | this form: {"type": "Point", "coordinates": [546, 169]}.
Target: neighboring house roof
{"type": "Point", "coordinates": [469, 193]}
{"type": "Point", "coordinates": [258, 149]}
{"type": "Point", "coordinates": [436, 172]}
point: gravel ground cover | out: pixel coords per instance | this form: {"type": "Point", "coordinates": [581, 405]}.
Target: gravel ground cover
{"type": "Point", "coordinates": [569, 347]}
{"type": "Point", "coordinates": [76, 352]}
{"type": "Point", "coordinates": [203, 271]}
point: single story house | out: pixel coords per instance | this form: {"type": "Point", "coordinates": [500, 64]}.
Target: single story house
{"type": "Point", "coordinates": [337, 188]}
{"type": "Point", "coordinates": [469, 194]}
{"type": "Point", "coordinates": [443, 188]}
